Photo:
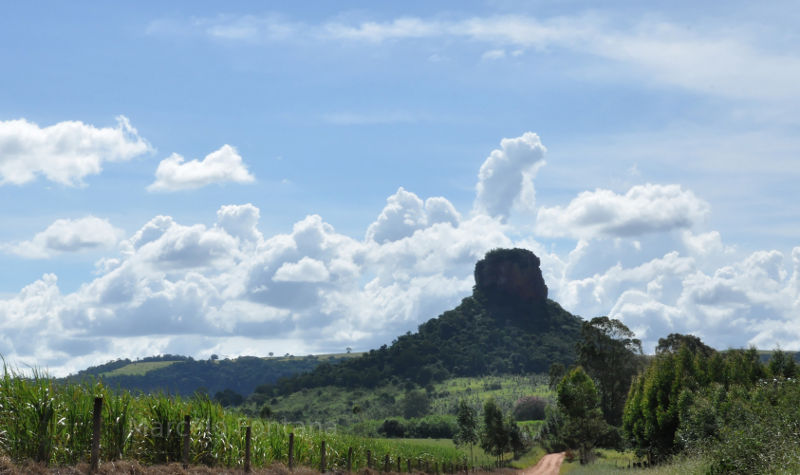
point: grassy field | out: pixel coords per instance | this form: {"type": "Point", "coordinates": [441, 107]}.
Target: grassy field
{"type": "Point", "coordinates": [614, 462]}
{"type": "Point", "coordinates": [347, 407]}
{"type": "Point", "coordinates": [138, 369]}
{"type": "Point", "coordinates": [481, 458]}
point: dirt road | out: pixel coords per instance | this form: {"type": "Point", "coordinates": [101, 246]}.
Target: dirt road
{"type": "Point", "coordinates": [548, 465]}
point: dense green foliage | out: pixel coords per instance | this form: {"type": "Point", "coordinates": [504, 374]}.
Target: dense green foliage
{"type": "Point", "coordinates": [782, 365]}
{"type": "Point", "coordinates": [652, 411]}
{"type": "Point", "coordinates": [185, 375]}
{"type": "Point", "coordinates": [530, 408]}
{"type": "Point", "coordinates": [753, 430]}
{"type": "Point", "coordinates": [729, 408]}
{"type": "Point", "coordinates": [673, 342]}
{"type": "Point", "coordinates": [579, 405]}
{"type": "Point", "coordinates": [612, 356]}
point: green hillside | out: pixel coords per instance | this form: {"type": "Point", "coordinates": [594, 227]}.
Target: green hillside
{"type": "Point", "coordinates": [357, 407]}
{"type": "Point", "coordinates": [185, 376]}
{"type": "Point", "coordinates": [507, 326]}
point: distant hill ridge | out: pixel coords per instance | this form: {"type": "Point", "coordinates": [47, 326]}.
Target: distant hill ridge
{"type": "Point", "coordinates": [184, 375]}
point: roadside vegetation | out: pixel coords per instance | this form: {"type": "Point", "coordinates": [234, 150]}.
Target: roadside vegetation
{"type": "Point", "coordinates": [51, 422]}
{"type": "Point", "coordinates": [688, 409]}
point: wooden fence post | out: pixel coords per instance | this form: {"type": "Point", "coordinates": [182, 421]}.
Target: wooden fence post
{"type": "Point", "coordinates": [350, 459]}
{"type": "Point", "coordinates": [322, 458]}
{"type": "Point", "coordinates": [97, 419]}
{"type": "Point", "coordinates": [386, 463]}
{"type": "Point", "coordinates": [369, 459]}
{"type": "Point", "coordinates": [291, 450]}
{"type": "Point", "coordinates": [187, 426]}
{"type": "Point", "coordinates": [398, 465]}
{"type": "Point", "coordinates": [408, 465]}
{"type": "Point", "coordinates": [248, 435]}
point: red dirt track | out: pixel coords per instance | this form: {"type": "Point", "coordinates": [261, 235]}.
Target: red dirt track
{"type": "Point", "coordinates": [550, 464]}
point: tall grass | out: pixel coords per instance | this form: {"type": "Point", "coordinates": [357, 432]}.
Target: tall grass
{"type": "Point", "coordinates": [47, 422]}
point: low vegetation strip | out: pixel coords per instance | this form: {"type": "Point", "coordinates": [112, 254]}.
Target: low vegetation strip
{"type": "Point", "coordinates": [51, 424]}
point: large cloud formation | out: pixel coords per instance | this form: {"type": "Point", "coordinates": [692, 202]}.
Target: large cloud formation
{"type": "Point", "coordinates": [64, 153]}
{"type": "Point", "coordinates": [225, 288]}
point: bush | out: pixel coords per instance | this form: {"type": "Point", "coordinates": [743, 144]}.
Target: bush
{"type": "Point", "coordinates": [430, 427]}
{"type": "Point", "coordinates": [530, 408]}
{"type": "Point", "coordinates": [392, 428]}
{"type": "Point", "coordinates": [433, 427]}
{"type": "Point", "coordinates": [756, 429]}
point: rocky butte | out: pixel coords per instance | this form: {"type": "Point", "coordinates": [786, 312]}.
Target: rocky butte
{"type": "Point", "coordinates": [511, 274]}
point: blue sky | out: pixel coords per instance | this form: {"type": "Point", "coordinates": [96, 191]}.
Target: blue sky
{"type": "Point", "coordinates": [198, 178]}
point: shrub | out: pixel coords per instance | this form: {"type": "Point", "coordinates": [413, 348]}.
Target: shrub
{"type": "Point", "coordinates": [530, 408]}
{"type": "Point", "coordinates": [392, 428]}
{"type": "Point", "coordinates": [433, 427]}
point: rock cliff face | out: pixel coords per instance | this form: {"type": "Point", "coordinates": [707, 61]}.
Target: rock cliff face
{"type": "Point", "coordinates": [511, 273]}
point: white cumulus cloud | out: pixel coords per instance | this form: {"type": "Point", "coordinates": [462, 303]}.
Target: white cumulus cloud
{"type": "Point", "coordinates": [405, 213]}
{"type": "Point", "coordinates": [220, 166]}
{"type": "Point", "coordinates": [240, 221]}
{"type": "Point", "coordinates": [506, 177]}
{"type": "Point", "coordinates": [305, 270]}
{"type": "Point", "coordinates": [68, 235]}
{"type": "Point", "coordinates": [65, 152]}
{"type": "Point", "coordinates": [643, 209]}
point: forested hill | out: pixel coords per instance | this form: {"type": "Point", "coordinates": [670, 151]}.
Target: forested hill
{"type": "Point", "coordinates": [183, 375]}
{"type": "Point", "coordinates": [508, 325]}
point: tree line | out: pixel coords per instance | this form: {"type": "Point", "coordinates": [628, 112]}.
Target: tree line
{"type": "Point", "coordinates": [737, 411]}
